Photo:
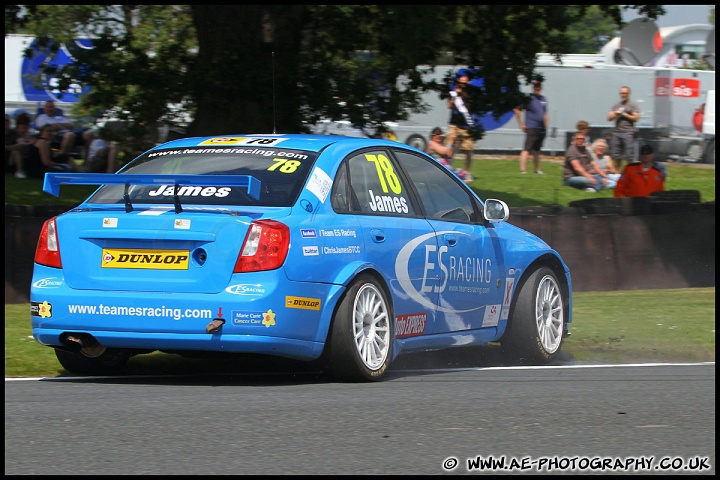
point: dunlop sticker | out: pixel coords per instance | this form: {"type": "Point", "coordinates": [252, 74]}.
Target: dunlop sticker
{"type": "Point", "coordinates": [302, 302]}
{"type": "Point", "coordinates": [145, 259]}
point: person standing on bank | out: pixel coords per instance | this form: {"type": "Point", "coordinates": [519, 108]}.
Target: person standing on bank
{"type": "Point", "coordinates": [622, 139]}
{"type": "Point", "coordinates": [460, 121]}
{"type": "Point", "coordinates": [535, 127]}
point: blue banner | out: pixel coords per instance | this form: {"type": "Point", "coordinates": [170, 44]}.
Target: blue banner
{"type": "Point", "coordinates": [40, 87]}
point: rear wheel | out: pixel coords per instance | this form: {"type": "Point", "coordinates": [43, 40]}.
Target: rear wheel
{"type": "Point", "coordinates": [107, 361]}
{"type": "Point", "coordinates": [695, 151]}
{"type": "Point", "coordinates": [537, 325]}
{"type": "Point", "coordinates": [360, 343]}
{"type": "Point", "coordinates": [417, 141]}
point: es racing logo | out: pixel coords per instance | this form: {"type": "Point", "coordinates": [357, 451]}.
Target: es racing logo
{"type": "Point", "coordinates": [449, 269]}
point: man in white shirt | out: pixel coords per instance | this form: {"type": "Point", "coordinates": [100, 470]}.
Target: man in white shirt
{"type": "Point", "coordinates": [63, 129]}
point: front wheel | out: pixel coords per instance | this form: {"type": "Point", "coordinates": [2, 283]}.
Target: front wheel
{"type": "Point", "coordinates": [360, 343]}
{"type": "Point", "coordinates": [109, 361]}
{"type": "Point", "coordinates": [537, 325]}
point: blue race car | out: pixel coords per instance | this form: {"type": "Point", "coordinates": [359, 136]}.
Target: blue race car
{"type": "Point", "coordinates": [342, 251]}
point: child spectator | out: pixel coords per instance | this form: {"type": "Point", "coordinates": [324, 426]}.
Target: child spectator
{"type": "Point", "coordinates": [584, 127]}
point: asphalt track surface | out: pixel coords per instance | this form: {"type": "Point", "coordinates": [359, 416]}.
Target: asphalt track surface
{"type": "Point", "coordinates": [571, 419]}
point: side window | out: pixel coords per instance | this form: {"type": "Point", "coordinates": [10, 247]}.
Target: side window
{"type": "Point", "coordinates": [341, 198]}
{"type": "Point", "coordinates": [376, 185]}
{"type": "Point", "coordinates": [442, 196]}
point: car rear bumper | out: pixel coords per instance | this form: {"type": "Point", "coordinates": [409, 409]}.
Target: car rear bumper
{"type": "Point", "coordinates": [218, 342]}
{"type": "Point", "coordinates": [289, 319]}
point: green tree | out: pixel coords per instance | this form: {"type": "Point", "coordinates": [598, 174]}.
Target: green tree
{"type": "Point", "coordinates": [592, 31]}
{"type": "Point", "coordinates": [137, 66]}
{"type": "Point", "coordinates": [265, 68]}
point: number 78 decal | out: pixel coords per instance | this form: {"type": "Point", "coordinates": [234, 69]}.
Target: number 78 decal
{"type": "Point", "coordinates": [386, 173]}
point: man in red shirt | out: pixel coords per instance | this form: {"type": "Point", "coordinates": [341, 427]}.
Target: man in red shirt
{"type": "Point", "coordinates": [640, 179]}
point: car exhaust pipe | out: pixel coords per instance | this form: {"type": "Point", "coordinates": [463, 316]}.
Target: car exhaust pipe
{"type": "Point", "coordinates": [83, 343]}
{"type": "Point", "coordinates": [215, 325]}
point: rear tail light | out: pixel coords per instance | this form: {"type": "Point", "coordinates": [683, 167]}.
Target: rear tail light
{"type": "Point", "coordinates": [265, 247]}
{"type": "Point", "coordinates": [48, 248]}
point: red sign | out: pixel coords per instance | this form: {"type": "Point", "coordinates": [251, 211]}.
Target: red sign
{"type": "Point", "coordinates": [662, 87]}
{"type": "Point", "coordinates": [686, 87]}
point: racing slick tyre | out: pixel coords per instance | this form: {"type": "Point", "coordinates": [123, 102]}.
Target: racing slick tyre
{"type": "Point", "coordinates": [537, 322]}
{"type": "Point", "coordinates": [111, 361]}
{"type": "Point", "coordinates": [360, 342]}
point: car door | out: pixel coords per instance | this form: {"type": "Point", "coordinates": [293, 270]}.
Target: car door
{"type": "Point", "coordinates": [468, 259]}
{"type": "Point", "coordinates": [396, 238]}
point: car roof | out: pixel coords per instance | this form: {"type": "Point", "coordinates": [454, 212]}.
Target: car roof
{"type": "Point", "coordinates": [299, 141]}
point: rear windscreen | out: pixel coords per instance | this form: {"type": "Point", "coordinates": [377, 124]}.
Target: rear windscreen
{"type": "Point", "coordinates": [282, 174]}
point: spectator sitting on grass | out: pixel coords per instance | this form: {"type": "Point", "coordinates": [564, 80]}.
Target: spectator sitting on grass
{"type": "Point", "coordinates": [65, 135]}
{"type": "Point", "coordinates": [102, 154]}
{"type": "Point", "coordinates": [41, 159]}
{"type": "Point", "coordinates": [598, 152]}
{"type": "Point", "coordinates": [444, 154]}
{"type": "Point", "coordinates": [17, 142]}
{"type": "Point", "coordinates": [578, 167]}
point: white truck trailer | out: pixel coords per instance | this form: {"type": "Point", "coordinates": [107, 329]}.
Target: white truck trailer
{"type": "Point", "coordinates": [709, 129]}
{"type": "Point", "coordinates": [670, 100]}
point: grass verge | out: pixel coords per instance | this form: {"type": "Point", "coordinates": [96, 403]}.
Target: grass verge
{"type": "Point", "coordinates": [630, 326]}
{"type": "Point", "coordinates": [494, 178]}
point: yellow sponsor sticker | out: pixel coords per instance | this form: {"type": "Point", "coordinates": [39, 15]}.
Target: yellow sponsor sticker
{"type": "Point", "coordinates": [145, 259]}
{"type": "Point", "coordinates": [303, 303]}
{"type": "Point", "coordinates": [223, 141]}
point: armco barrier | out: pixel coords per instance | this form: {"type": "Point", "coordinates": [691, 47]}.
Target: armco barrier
{"type": "Point", "coordinates": [616, 251]}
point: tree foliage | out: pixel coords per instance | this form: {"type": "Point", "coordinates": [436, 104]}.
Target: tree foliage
{"type": "Point", "coordinates": [279, 68]}
{"type": "Point", "coordinates": [136, 68]}
{"type": "Point", "coordinates": [592, 31]}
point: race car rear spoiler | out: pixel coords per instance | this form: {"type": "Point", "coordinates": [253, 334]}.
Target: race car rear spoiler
{"type": "Point", "coordinates": [53, 181]}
